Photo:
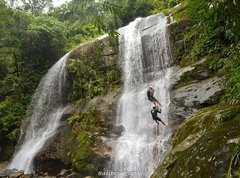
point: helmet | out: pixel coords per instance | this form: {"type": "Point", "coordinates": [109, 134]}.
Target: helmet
{"type": "Point", "coordinates": [150, 87]}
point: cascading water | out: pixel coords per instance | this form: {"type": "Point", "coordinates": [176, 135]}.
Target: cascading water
{"type": "Point", "coordinates": [43, 116]}
{"type": "Point", "coordinates": [145, 60]}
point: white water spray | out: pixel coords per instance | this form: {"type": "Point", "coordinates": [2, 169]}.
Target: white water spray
{"type": "Point", "coordinates": [43, 116]}
{"type": "Point", "coordinates": [145, 60]}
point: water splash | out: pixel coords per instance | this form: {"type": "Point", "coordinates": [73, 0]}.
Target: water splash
{"type": "Point", "coordinates": [43, 116]}
{"type": "Point", "coordinates": [145, 58]}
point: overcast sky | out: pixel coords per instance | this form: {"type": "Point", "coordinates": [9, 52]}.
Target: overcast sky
{"type": "Point", "coordinates": [59, 2]}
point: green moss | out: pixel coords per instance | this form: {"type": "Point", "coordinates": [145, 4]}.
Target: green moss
{"type": "Point", "coordinates": [86, 127]}
{"type": "Point", "coordinates": [212, 66]}
{"type": "Point", "coordinates": [193, 75]}
{"type": "Point", "coordinates": [234, 168]}
{"type": "Point", "coordinates": [90, 76]}
{"type": "Point", "coordinates": [202, 146]}
{"type": "Point", "coordinates": [232, 90]}
{"type": "Point", "coordinates": [187, 61]}
{"type": "Point", "coordinates": [229, 114]}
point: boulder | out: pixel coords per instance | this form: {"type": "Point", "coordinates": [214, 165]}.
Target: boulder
{"type": "Point", "coordinates": [4, 165]}
{"type": "Point", "coordinates": [17, 174]}
{"type": "Point", "coordinates": [27, 176]}
{"type": "Point", "coordinates": [193, 88]}
{"type": "Point", "coordinates": [54, 157]}
{"type": "Point", "coordinates": [7, 172]}
{"type": "Point", "coordinates": [204, 144]}
{"type": "Point", "coordinates": [189, 98]}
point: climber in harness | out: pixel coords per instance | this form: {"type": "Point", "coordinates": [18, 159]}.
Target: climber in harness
{"type": "Point", "coordinates": [155, 110]}
{"type": "Point", "coordinates": [151, 98]}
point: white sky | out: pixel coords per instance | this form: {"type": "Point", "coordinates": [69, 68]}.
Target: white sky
{"type": "Point", "coordinates": [59, 2]}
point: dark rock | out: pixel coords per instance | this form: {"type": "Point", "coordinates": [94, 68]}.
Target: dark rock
{"type": "Point", "coordinates": [116, 131]}
{"type": "Point", "coordinates": [177, 47]}
{"type": "Point", "coordinates": [50, 166]}
{"type": "Point", "coordinates": [177, 30]}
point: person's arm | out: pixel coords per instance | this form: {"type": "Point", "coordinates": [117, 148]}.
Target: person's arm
{"type": "Point", "coordinates": [159, 110]}
{"type": "Point", "coordinates": [157, 101]}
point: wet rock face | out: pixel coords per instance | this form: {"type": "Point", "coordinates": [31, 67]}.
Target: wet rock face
{"type": "Point", "coordinates": [189, 98]}
{"type": "Point", "coordinates": [206, 132]}
{"type": "Point", "coordinates": [108, 48]}
{"type": "Point", "coordinates": [203, 145]}
{"type": "Point", "coordinates": [194, 87]}
{"type": "Point", "coordinates": [56, 154]}
{"type": "Point", "coordinates": [55, 157]}
{"type": "Point", "coordinates": [177, 29]}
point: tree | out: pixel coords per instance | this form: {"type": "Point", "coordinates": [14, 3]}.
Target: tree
{"type": "Point", "coordinates": [217, 14]}
{"type": "Point", "coordinates": [34, 6]}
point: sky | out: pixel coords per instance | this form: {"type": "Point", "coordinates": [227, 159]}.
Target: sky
{"type": "Point", "coordinates": [59, 2]}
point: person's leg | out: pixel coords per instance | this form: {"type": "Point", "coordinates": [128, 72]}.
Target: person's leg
{"type": "Point", "coordinates": [161, 121]}
{"type": "Point", "coordinates": [156, 121]}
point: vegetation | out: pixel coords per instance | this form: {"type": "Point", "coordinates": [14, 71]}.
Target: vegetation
{"type": "Point", "coordinates": [29, 45]}
{"type": "Point", "coordinates": [87, 127]}
{"type": "Point", "coordinates": [91, 76]}
{"type": "Point", "coordinates": [215, 35]}
{"type": "Point", "coordinates": [203, 144]}
{"type": "Point", "coordinates": [32, 39]}
{"type": "Point", "coordinates": [35, 35]}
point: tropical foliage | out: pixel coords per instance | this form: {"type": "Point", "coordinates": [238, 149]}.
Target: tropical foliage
{"type": "Point", "coordinates": [34, 35]}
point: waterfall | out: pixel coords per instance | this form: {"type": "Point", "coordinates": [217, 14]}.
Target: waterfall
{"type": "Point", "coordinates": [43, 116]}
{"type": "Point", "coordinates": [145, 60]}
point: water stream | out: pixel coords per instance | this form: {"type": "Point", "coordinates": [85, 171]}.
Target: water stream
{"type": "Point", "coordinates": [43, 116]}
{"type": "Point", "coordinates": [146, 61]}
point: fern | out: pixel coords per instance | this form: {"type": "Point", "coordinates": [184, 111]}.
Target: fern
{"type": "Point", "coordinates": [235, 162]}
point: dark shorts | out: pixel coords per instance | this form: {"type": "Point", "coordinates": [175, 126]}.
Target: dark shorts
{"type": "Point", "coordinates": [157, 118]}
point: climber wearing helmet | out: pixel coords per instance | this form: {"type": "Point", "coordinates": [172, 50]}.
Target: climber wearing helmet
{"type": "Point", "coordinates": [150, 96]}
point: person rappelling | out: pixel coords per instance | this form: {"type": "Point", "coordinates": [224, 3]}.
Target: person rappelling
{"type": "Point", "coordinates": [151, 98]}
{"type": "Point", "coordinates": [155, 110]}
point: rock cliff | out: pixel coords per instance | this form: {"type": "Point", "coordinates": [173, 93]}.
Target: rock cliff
{"type": "Point", "coordinates": [207, 131]}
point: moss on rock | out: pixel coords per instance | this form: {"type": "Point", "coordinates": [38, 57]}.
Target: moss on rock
{"type": "Point", "coordinates": [93, 70]}
{"type": "Point", "coordinates": [205, 68]}
{"type": "Point", "coordinates": [86, 128]}
{"type": "Point", "coordinates": [203, 146]}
